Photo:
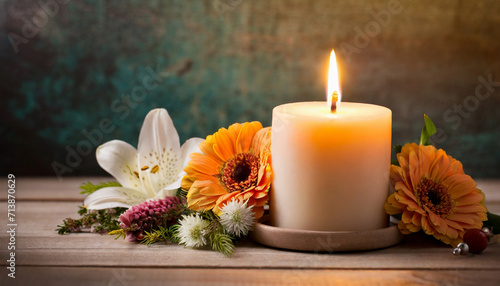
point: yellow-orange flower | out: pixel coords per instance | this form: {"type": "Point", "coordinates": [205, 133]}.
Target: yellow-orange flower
{"type": "Point", "coordinates": [236, 163]}
{"type": "Point", "coordinates": [434, 194]}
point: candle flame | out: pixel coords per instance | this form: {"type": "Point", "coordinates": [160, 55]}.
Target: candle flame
{"type": "Point", "coordinates": [333, 95]}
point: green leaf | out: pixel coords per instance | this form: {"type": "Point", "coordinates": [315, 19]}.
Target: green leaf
{"type": "Point", "coordinates": [428, 130]}
{"type": "Point", "coordinates": [89, 188]}
{"type": "Point", "coordinates": [493, 222]}
{"type": "Point", "coordinates": [397, 150]}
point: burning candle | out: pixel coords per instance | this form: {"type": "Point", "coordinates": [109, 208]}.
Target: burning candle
{"type": "Point", "coordinates": [330, 163]}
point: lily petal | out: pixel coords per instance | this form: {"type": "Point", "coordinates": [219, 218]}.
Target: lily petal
{"type": "Point", "coordinates": [119, 159]}
{"type": "Point", "coordinates": [159, 151]}
{"type": "Point", "coordinates": [112, 197]}
{"type": "Point", "coordinates": [190, 146]}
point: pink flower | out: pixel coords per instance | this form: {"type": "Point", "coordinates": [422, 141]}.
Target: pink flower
{"type": "Point", "coordinates": [148, 216]}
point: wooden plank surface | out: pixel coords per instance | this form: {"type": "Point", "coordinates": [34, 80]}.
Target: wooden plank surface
{"type": "Point", "coordinates": [41, 252]}
{"type": "Point", "coordinates": [192, 276]}
{"type": "Point", "coordinates": [39, 244]}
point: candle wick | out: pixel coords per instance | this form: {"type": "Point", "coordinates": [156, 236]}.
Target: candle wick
{"type": "Point", "coordinates": [335, 98]}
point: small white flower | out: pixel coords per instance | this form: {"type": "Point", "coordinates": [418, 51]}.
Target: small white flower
{"type": "Point", "coordinates": [192, 231]}
{"type": "Point", "coordinates": [237, 218]}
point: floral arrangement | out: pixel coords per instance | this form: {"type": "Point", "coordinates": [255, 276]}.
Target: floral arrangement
{"type": "Point", "coordinates": [205, 192]}
{"type": "Point", "coordinates": [211, 192]}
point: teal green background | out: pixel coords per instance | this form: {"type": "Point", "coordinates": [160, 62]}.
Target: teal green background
{"type": "Point", "coordinates": [232, 61]}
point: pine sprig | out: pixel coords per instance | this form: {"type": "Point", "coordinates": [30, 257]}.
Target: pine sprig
{"type": "Point", "coordinates": [223, 243]}
{"type": "Point", "coordinates": [96, 221]}
{"type": "Point", "coordinates": [88, 188]}
{"type": "Point", "coordinates": [166, 234]}
{"type": "Point", "coordinates": [175, 231]}
{"type": "Point", "coordinates": [117, 233]}
{"type": "Point", "coordinates": [218, 239]}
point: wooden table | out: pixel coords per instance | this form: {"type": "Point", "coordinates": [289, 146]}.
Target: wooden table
{"type": "Point", "coordinates": [45, 258]}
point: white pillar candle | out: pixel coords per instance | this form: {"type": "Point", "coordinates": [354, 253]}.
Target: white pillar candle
{"type": "Point", "coordinates": [331, 170]}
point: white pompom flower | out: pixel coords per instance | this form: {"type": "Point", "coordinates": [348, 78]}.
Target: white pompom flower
{"type": "Point", "coordinates": [192, 231]}
{"type": "Point", "coordinates": [237, 218]}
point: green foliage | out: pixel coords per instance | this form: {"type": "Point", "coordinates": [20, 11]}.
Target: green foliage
{"type": "Point", "coordinates": [88, 188]}
{"type": "Point", "coordinates": [175, 230]}
{"type": "Point", "coordinates": [493, 222]}
{"type": "Point", "coordinates": [428, 130]}
{"type": "Point", "coordinates": [107, 221]}
{"type": "Point", "coordinates": [223, 243]}
{"type": "Point", "coordinates": [118, 233]}
{"type": "Point", "coordinates": [97, 221]}
{"type": "Point", "coordinates": [397, 150]}
{"type": "Point", "coordinates": [181, 193]}
{"type": "Point", "coordinates": [163, 233]}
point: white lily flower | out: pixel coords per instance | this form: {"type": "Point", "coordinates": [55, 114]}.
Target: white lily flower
{"type": "Point", "coordinates": [153, 171]}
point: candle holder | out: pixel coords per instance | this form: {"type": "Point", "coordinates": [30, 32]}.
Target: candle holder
{"type": "Point", "coordinates": [324, 241]}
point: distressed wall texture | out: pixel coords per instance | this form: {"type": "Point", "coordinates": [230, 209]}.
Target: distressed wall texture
{"type": "Point", "coordinates": [73, 68]}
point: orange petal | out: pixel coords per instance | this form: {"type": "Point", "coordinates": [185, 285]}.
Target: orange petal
{"type": "Point", "coordinates": [258, 212]}
{"type": "Point", "coordinates": [222, 200]}
{"type": "Point", "coordinates": [455, 225]}
{"type": "Point", "coordinates": [464, 218]}
{"type": "Point", "coordinates": [186, 182]}
{"type": "Point", "coordinates": [426, 226]}
{"type": "Point", "coordinates": [417, 219]}
{"type": "Point", "coordinates": [200, 163]}
{"type": "Point", "coordinates": [472, 198]}
{"type": "Point", "coordinates": [261, 202]}
{"type": "Point", "coordinates": [207, 148]}
{"type": "Point", "coordinates": [459, 185]}
{"type": "Point", "coordinates": [403, 199]}
{"type": "Point", "coordinates": [426, 156]}
{"type": "Point", "coordinates": [213, 190]}
{"type": "Point", "coordinates": [259, 195]}
{"type": "Point", "coordinates": [407, 217]}
{"type": "Point", "coordinates": [470, 209]}
{"type": "Point", "coordinates": [224, 144]}
{"type": "Point", "coordinates": [245, 136]}
{"type": "Point", "coordinates": [196, 200]}
{"type": "Point", "coordinates": [400, 186]}
{"type": "Point", "coordinates": [261, 140]}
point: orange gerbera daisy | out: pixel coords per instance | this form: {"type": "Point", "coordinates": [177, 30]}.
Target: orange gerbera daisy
{"type": "Point", "coordinates": [236, 164]}
{"type": "Point", "coordinates": [434, 194]}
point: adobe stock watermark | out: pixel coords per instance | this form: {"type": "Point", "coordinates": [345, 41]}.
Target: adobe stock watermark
{"type": "Point", "coordinates": [94, 137]}
{"type": "Point", "coordinates": [364, 35]}
{"type": "Point", "coordinates": [323, 246]}
{"type": "Point", "coordinates": [456, 115]}
{"type": "Point", "coordinates": [223, 6]}
{"type": "Point", "coordinates": [120, 278]}
{"type": "Point", "coordinates": [32, 25]}
{"type": "Point", "coordinates": [123, 105]}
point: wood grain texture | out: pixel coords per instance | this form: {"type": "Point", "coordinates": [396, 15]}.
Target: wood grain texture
{"type": "Point", "coordinates": [193, 276]}
{"type": "Point", "coordinates": [43, 255]}
{"type": "Point", "coordinates": [50, 188]}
